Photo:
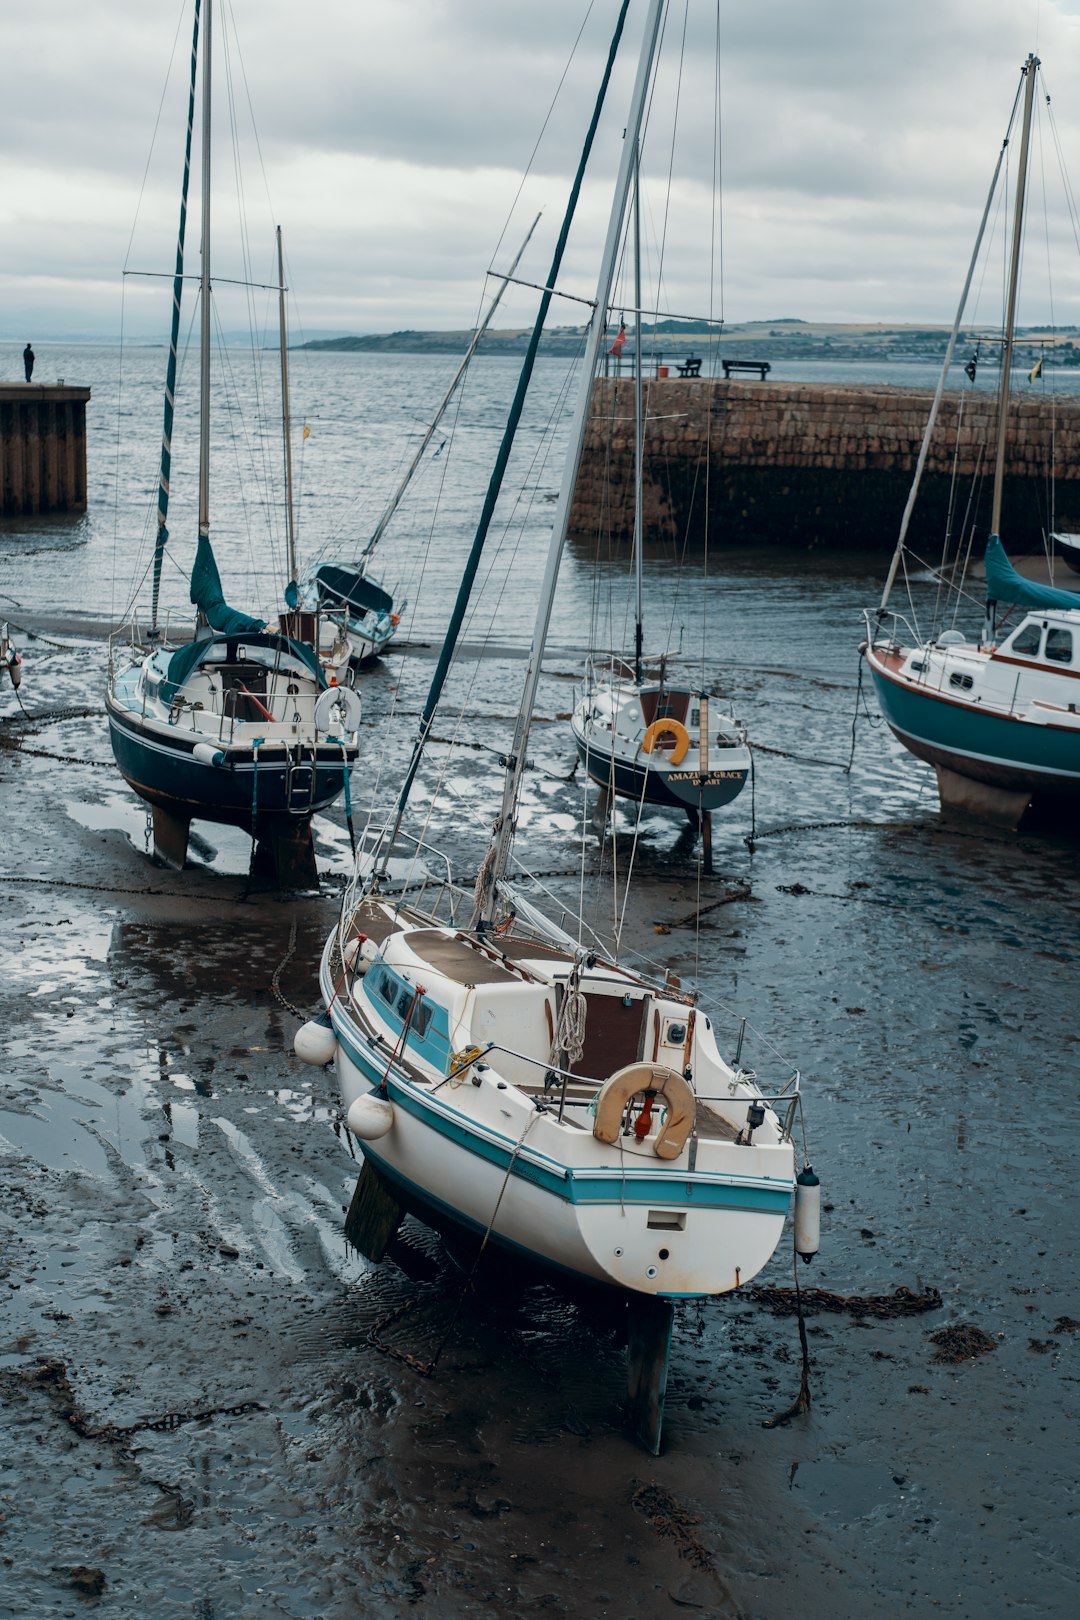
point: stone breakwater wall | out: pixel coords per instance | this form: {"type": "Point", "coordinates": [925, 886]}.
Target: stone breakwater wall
{"type": "Point", "coordinates": [812, 464]}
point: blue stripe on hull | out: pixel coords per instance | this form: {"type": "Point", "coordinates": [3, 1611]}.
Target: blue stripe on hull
{"type": "Point", "coordinates": [630, 779]}
{"type": "Point", "coordinates": [167, 774]}
{"type": "Point", "coordinates": [441, 1216]}
{"type": "Point", "coordinates": [991, 748]}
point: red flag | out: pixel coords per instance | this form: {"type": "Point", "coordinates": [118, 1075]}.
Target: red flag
{"type": "Point", "coordinates": [620, 342]}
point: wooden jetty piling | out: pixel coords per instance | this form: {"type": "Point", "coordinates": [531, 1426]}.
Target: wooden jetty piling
{"type": "Point", "coordinates": [42, 448]}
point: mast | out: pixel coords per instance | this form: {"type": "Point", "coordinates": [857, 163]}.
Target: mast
{"type": "Point", "coordinates": [499, 854]}
{"type": "Point", "coordinates": [472, 562]}
{"type": "Point", "coordinates": [204, 293]}
{"type": "Point", "coordinates": [170, 374]}
{"type": "Point", "coordinates": [1030, 69]}
{"type": "Point", "coordinates": [290, 516]}
{"type": "Point", "coordinates": [639, 422]}
{"type": "Point", "coordinates": [950, 349]}
{"type": "Point", "coordinates": [395, 499]}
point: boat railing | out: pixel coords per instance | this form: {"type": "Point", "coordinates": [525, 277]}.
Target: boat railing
{"type": "Point", "coordinates": [435, 892]}
{"type": "Point", "coordinates": [137, 641]}
{"type": "Point", "coordinates": [785, 1103]}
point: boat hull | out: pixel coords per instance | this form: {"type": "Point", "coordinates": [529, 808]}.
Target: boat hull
{"type": "Point", "coordinates": [251, 789]}
{"type": "Point", "coordinates": [995, 748]}
{"type": "Point", "coordinates": [682, 790]}
{"type": "Point", "coordinates": [486, 1160]}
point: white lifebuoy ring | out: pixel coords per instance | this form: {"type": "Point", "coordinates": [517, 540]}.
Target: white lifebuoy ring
{"type": "Point", "coordinates": [338, 710]}
{"type": "Point", "coordinates": [667, 1084]}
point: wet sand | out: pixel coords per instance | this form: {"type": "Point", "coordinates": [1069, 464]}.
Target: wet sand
{"type": "Point", "coordinates": [195, 1418]}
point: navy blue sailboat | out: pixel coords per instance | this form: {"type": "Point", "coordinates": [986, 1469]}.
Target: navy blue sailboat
{"type": "Point", "coordinates": [235, 724]}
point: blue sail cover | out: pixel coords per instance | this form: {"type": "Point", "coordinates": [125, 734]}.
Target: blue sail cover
{"type": "Point", "coordinates": [206, 593]}
{"type": "Point", "coordinates": [347, 588]}
{"type": "Point", "coordinates": [193, 653]}
{"type": "Point", "coordinates": [1004, 584]}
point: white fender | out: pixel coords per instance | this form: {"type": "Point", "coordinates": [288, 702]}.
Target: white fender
{"type": "Point", "coordinates": [359, 954]}
{"type": "Point", "coordinates": [207, 754]}
{"type": "Point", "coordinates": [370, 1117]}
{"type": "Point", "coordinates": [807, 1213]}
{"type": "Point", "coordinates": [338, 710]}
{"type": "Point", "coordinates": [315, 1043]}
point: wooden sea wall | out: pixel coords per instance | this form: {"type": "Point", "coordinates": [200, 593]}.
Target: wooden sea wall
{"type": "Point", "coordinates": [752, 463]}
{"type": "Point", "coordinates": [42, 448]}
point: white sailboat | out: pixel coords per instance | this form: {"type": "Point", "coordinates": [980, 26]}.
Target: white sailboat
{"type": "Point", "coordinates": [996, 712]}
{"type": "Point", "coordinates": [509, 1080]}
{"type": "Point", "coordinates": [641, 735]}
{"type": "Point", "coordinates": [235, 723]}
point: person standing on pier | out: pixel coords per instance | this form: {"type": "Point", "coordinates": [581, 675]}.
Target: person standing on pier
{"type": "Point", "coordinates": [28, 361]}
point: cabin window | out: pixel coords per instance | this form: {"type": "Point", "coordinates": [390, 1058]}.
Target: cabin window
{"type": "Point", "coordinates": [1026, 641]}
{"type": "Point", "coordinates": [1059, 646]}
{"type": "Point", "coordinates": [962, 681]}
{"type": "Point", "coordinates": [695, 717]}
{"type": "Point", "coordinates": [388, 989]}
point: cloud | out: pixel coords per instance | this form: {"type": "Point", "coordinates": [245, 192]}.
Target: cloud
{"type": "Point", "coordinates": [856, 143]}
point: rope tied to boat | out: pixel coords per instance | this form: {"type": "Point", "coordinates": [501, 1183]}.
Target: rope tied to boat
{"type": "Point", "coordinates": [568, 1042]}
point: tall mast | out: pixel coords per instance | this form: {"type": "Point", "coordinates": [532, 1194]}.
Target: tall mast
{"type": "Point", "coordinates": [1030, 69]}
{"type": "Point", "coordinates": [204, 292]}
{"type": "Point", "coordinates": [639, 421]}
{"type": "Point", "coordinates": [499, 854]}
{"type": "Point", "coordinates": [165, 472]}
{"type": "Point", "coordinates": [472, 562]}
{"type": "Point", "coordinates": [290, 516]}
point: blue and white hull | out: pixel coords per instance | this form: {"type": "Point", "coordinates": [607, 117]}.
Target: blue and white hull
{"type": "Point", "coordinates": [489, 1148]}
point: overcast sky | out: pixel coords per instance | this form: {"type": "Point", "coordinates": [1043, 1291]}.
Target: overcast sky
{"type": "Point", "coordinates": [858, 138]}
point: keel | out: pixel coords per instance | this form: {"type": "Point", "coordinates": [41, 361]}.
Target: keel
{"type": "Point", "coordinates": [647, 1354]}
{"type": "Point", "coordinates": [286, 853]}
{"type": "Point", "coordinates": [1004, 807]}
{"type": "Point", "coordinates": [170, 839]}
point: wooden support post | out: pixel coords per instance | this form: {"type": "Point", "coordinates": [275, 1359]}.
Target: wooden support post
{"type": "Point", "coordinates": [601, 809]}
{"type": "Point", "coordinates": [286, 850]}
{"type": "Point", "coordinates": [374, 1214]}
{"type": "Point", "coordinates": [648, 1351]}
{"type": "Point", "coordinates": [706, 840]}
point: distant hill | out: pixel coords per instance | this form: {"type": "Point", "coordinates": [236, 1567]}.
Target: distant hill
{"type": "Point", "coordinates": [786, 338]}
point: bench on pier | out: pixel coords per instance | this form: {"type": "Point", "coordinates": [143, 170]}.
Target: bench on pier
{"type": "Point", "coordinates": [760, 366]}
{"type": "Point", "coordinates": [691, 367]}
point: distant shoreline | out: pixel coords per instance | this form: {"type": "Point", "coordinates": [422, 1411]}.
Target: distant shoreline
{"type": "Point", "coordinates": [766, 341]}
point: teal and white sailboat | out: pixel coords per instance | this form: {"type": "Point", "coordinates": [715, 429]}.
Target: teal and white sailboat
{"type": "Point", "coordinates": [235, 723]}
{"type": "Point", "coordinates": [997, 712]}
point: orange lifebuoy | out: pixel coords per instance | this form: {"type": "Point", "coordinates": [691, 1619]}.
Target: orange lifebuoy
{"type": "Point", "coordinates": [655, 1081]}
{"type": "Point", "coordinates": [673, 728]}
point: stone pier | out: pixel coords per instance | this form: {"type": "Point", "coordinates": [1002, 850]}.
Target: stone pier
{"type": "Point", "coordinates": [815, 464]}
{"type": "Point", "coordinates": [42, 448]}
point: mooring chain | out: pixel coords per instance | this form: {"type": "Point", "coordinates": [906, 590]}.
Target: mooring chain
{"type": "Point", "coordinates": [18, 747]}
{"type": "Point", "coordinates": [275, 982]}
{"type": "Point", "coordinates": [426, 1369]}
{"type": "Point", "coordinates": [160, 1425]}
{"type": "Point", "coordinates": [813, 826]}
